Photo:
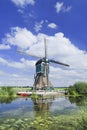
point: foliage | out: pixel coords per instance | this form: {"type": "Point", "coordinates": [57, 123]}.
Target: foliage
{"type": "Point", "coordinates": [6, 91]}
{"type": "Point", "coordinates": [82, 123]}
{"type": "Point", "coordinates": [79, 88]}
{"type": "Point", "coordinates": [7, 99]}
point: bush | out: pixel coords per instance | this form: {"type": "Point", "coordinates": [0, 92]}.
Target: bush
{"type": "Point", "coordinates": [79, 88]}
{"type": "Point", "coordinates": [7, 91]}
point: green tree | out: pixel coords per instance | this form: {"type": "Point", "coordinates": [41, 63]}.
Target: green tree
{"type": "Point", "coordinates": [79, 88]}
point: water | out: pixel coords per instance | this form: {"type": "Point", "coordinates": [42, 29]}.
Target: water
{"type": "Point", "coordinates": [25, 107]}
{"type": "Point", "coordinates": [21, 112]}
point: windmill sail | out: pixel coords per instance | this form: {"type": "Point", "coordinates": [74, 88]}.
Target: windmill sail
{"type": "Point", "coordinates": [45, 46]}
{"type": "Point", "coordinates": [26, 53]}
{"type": "Point", "coordinates": [46, 62]}
{"type": "Point", "coordinates": [57, 62]}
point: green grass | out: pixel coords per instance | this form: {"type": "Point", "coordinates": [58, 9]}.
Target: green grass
{"type": "Point", "coordinates": [11, 91]}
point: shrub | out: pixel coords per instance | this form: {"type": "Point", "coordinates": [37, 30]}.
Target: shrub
{"type": "Point", "coordinates": [78, 88]}
{"type": "Point", "coordinates": [7, 91]}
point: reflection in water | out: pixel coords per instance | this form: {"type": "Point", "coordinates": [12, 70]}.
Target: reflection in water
{"type": "Point", "coordinates": [6, 99]}
{"type": "Point", "coordinates": [42, 105]}
{"type": "Point", "coordinates": [28, 107]}
{"type": "Point", "coordinates": [16, 108]}
{"type": "Point", "coordinates": [79, 100]}
{"type": "Point", "coordinates": [41, 114]}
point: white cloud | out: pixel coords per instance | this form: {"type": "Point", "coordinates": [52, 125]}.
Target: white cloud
{"type": "Point", "coordinates": [59, 47]}
{"type": "Point", "coordinates": [13, 79]}
{"type": "Point", "coordinates": [1, 73]}
{"type": "Point", "coordinates": [23, 3]}
{"type": "Point", "coordinates": [60, 7]}
{"type": "Point", "coordinates": [3, 61]}
{"type": "Point", "coordinates": [20, 37]}
{"type": "Point", "coordinates": [52, 25]}
{"type": "Point", "coordinates": [22, 64]}
{"type": "Point", "coordinates": [38, 26]}
{"type": "Point", "coordinates": [21, 11]}
{"type": "Point", "coordinates": [15, 75]}
{"type": "Point", "coordinates": [11, 64]}
{"type": "Point", "coordinates": [0, 82]}
{"type": "Point", "coordinates": [67, 9]}
{"type": "Point", "coordinates": [4, 47]}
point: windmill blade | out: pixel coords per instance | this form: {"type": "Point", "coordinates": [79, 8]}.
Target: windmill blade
{"type": "Point", "coordinates": [57, 62]}
{"type": "Point", "coordinates": [46, 65]}
{"type": "Point", "coordinates": [26, 53]}
{"type": "Point", "coordinates": [45, 47]}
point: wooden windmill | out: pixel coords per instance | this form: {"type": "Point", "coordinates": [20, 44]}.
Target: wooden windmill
{"type": "Point", "coordinates": [41, 78]}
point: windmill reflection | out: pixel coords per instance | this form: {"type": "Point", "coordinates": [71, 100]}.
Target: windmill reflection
{"type": "Point", "coordinates": [43, 104]}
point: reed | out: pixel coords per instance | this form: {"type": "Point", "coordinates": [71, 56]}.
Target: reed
{"type": "Point", "coordinates": [7, 91]}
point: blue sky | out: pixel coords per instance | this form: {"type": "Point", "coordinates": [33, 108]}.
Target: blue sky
{"type": "Point", "coordinates": [25, 23]}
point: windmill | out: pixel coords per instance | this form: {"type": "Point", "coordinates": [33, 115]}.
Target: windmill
{"type": "Point", "coordinates": [41, 77]}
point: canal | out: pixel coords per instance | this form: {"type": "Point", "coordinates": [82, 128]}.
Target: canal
{"type": "Point", "coordinates": [56, 113]}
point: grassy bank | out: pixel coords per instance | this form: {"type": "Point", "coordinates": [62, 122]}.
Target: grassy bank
{"type": "Point", "coordinates": [11, 91]}
{"type": "Point", "coordinates": [7, 92]}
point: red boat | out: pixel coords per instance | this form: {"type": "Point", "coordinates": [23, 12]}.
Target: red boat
{"type": "Point", "coordinates": [24, 93]}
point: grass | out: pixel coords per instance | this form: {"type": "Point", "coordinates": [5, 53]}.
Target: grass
{"type": "Point", "coordinates": [11, 91]}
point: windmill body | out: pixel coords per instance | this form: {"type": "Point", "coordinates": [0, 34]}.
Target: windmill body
{"type": "Point", "coordinates": [41, 80]}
